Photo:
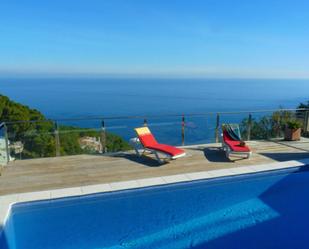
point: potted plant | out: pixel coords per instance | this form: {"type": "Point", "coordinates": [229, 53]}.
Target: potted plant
{"type": "Point", "coordinates": [293, 130]}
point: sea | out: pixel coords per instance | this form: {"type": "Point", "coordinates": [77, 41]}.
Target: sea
{"type": "Point", "coordinates": [125, 103]}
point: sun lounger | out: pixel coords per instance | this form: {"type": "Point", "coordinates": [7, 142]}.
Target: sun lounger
{"type": "Point", "coordinates": [232, 143]}
{"type": "Point", "coordinates": [145, 141]}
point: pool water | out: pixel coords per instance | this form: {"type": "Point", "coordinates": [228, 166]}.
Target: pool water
{"type": "Point", "coordinates": [257, 211]}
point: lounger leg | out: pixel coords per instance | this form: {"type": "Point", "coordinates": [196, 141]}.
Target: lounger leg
{"type": "Point", "coordinates": [134, 142]}
{"type": "Point", "coordinates": [158, 158]}
{"type": "Point", "coordinates": [227, 152]}
{"type": "Point", "coordinates": [136, 151]}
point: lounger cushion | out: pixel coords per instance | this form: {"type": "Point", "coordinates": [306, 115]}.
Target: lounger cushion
{"type": "Point", "coordinates": [167, 149]}
{"type": "Point", "coordinates": [147, 140]}
{"type": "Point", "coordinates": [234, 145]}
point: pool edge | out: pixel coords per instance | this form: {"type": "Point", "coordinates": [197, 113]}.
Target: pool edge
{"type": "Point", "coordinates": [7, 201]}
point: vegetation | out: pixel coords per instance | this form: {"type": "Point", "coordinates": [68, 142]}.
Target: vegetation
{"type": "Point", "coordinates": [69, 137]}
{"type": "Point", "coordinates": [273, 125]}
{"type": "Point", "coordinates": [294, 124]}
{"type": "Point", "coordinates": [37, 135]}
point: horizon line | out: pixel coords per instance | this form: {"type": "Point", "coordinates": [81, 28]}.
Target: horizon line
{"type": "Point", "coordinates": [145, 75]}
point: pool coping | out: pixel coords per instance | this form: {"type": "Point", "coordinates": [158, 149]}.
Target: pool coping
{"type": "Point", "coordinates": [7, 201]}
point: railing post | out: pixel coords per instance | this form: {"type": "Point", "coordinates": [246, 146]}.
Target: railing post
{"type": "Point", "coordinates": [57, 139]}
{"type": "Point", "coordinates": [306, 121]}
{"type": "Point", "coordinates": [278, 132]}
{"type": "Point", "coordinates": [183, 130]}
{"type": "Point", "coordinates": [103, 136]}
{"type": "Point", "coordinates": [217, 128]}
{"type": "Point", "coordinates": [249, 126]}
{"type": "Point", "coordinates": [7, 147]}
{"type": "Point", "coordinates": [145, 122]}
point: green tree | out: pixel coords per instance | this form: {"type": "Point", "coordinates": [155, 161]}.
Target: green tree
{"type": "Point", "coordinates": [37, 133]}
{"type": "Point", "coordinates": [267, 127]}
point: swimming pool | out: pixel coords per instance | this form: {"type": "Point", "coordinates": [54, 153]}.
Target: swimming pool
{"type": "Point", "coordinates": [253, 211]}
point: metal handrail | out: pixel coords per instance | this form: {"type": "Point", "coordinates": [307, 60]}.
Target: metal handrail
{"type": "Point", "coordinates": [57, 131]}
{"type": "Point", "coordinates": [153, 116]}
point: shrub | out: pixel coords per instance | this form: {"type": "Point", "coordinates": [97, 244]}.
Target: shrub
{"type": "Point", "coordinates": [294, 124]}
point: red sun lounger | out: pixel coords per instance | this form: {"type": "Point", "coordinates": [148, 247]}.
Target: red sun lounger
{"type": "Point", "coordinates": [231, 143]}
{"type": "Point", "coordinates": [149, 143]}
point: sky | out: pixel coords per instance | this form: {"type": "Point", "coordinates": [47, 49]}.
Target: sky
{"type": "Point", "coordinates": [191, 38]}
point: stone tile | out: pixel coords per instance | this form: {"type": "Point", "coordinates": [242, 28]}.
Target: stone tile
{"type": "Point", "coordinates": [242, 170]}
{"type": "Point", "coordinates": [124, 185]}
{"type": "Point", "coordinates": [176, 178]}
{"type": "Point", "coordinates": [278, 165]}
{"type": "Point", "coordinates": [221, 172]}
{"type": "Point", "coordinates": [98, 188]}
{"type": "Point", "coordinates": [151, 182]}
{"type": "Point", "coordinates": [8, 199]}
{"type": "Point", "coordinates": [34, 196]}
{"type": "Point", "coordinates": [265, 167]}
{"type": "Point", "coordinates": [199, 175]}
{"type": "Point", "coordinates": [4, 212]}
{"type": "Point", "coordinates": [66, 192]}
{"type": "Point", "coordinates": [291, 164]}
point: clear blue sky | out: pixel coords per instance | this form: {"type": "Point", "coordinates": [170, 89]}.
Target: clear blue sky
{"type": "Point", "coordinates": [212, 38]}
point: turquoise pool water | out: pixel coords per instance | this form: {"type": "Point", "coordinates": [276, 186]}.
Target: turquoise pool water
{"type": "Point", "coordinates": [254, 211]}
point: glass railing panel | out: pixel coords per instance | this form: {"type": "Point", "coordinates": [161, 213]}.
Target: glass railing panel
{"type": "Point", "coordinates": [118, 132]}
{"type": "Point", "coordinates": [75, 137]}
{"type": "Point", "coordinates": [31, 140]}
{"type": "Point", "coordinates": [3, 147]}
{"type": "Point", "coordinates": [167, 130]}
{"type": "Point", "coordinates": [104, 135]}
{"type": "Point", "coordinates": [268, 125]}
{"type": "Point", "coordinates": [200, 129]}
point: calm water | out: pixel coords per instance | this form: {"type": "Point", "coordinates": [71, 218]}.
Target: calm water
{"type": "Point", "coordinates": [86, 97]}
{"type": "Point", "coordinates": [264, 211]}
{"type": "Point", "coordinates": [71, 98]}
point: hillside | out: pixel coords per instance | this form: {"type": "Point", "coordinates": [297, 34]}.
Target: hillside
{"type": "Point", "coordinates": [35, 135]}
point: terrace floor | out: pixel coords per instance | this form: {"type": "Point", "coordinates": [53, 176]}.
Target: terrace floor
{"type": "Point", "coordinates": [72, 171]}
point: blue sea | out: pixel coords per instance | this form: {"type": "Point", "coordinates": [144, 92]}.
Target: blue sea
{"type": "Point", "coordinates": [65, 98]}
